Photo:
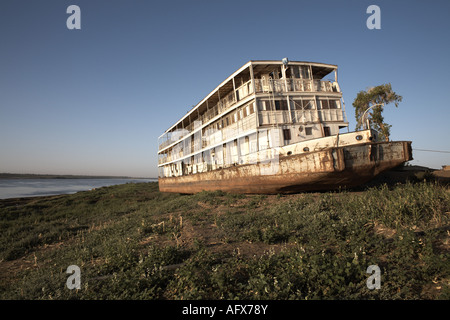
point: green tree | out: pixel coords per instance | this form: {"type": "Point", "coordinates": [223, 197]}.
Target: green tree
{"type": "Point", "coordinates": [375, 98]}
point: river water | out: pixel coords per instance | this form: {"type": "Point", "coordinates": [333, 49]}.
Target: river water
{"type": "Point", "coordinates": [15, 188]}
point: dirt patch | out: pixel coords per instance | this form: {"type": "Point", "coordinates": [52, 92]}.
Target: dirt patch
{"type": "Point", "coordinates": [199, 228]}
{"type": "Point", "coordinates": [9, 269]}
{"type": "Point", "coordinates": [386, 232]}
{"type": "Point", "coordinates": [211, 237]}
{"type": "Point", "coordinates": [442, 174]}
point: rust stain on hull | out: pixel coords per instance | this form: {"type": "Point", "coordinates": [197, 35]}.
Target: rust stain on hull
{"type": "Point", "coordinates": [329, 169]}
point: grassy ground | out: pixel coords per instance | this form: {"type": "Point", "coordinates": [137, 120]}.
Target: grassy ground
{"type": "Point", "coordinates": [133, 242]}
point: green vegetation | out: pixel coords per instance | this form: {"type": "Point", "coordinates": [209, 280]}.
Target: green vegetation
{"type": "Point", "coordinates": [376, 98]}
{"type": "Point", "coordinates": [133, 242]}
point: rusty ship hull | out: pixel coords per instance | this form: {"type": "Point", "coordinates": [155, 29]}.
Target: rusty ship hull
{"type": "Point", "coordinates": [329, 169]}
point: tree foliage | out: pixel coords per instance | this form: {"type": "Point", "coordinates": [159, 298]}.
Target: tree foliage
{"type": "Point", "coordinates": [381, 95]}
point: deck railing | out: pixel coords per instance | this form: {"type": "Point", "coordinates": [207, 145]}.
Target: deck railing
{"type": "Point", "coordinates": [223, 105]}
{"type": "Point", "coordinates": [305, 116]}
{"type": "Point", "coordinates": [208, 138]}
{"type": "Point", "coordinates": [331, 115]}
{"type": "Point", "coordinates": [313, 115]}
{"type": "Point", "coordinates": [291, 85]}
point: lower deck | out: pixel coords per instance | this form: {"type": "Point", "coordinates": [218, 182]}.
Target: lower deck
{"type": "Point", "coordinates": [327, 169]}
{"type": "Point", "coordinates": [226, 149]}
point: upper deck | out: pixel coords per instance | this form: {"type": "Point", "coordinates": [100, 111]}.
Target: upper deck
{"type": "Point", "coordinates": [270, 80]}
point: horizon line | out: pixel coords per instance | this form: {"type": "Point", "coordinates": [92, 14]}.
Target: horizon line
{"type": "Point", "coordinates": [3, 174]}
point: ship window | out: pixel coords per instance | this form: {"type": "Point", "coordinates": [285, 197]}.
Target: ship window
{"type": "Point", "coordinates": [305, 72]}
{"type": "Point", "coordinates": [308, 131]}
{"type": "Point", "coordinates": [224, 150]}
{"type": "Point", "coordinates": [265, 105]}
{"type": "Point", "coordinates": [261, 106]}
{"type": "Point", "coordinates": [288, 73]}
{"type": "Point", "coordinates": [281, 105]}
{"type": "Point", "coordinates": [304, 104]}
{"type": "Point", "coordinates": [325, 104]}
{"type": "Point", "coordinates": [276, 74]}
{"type": "Point", "coordinates": [287, 134]}
{"type": "Point", "coordinates": [252, 106]}
{"type": "Point", "coordinates": [326, 131]}
{"type": "Point", "coordinates": [332, 104]}
{"type": "Point", "coordinates": [296, 72]}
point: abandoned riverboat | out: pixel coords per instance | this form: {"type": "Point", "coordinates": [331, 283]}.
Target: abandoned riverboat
{"type": "Point", "coordinates": [272, 127]}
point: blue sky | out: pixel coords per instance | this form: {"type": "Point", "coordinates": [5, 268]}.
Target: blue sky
{"type": "Point", "coordinates": [95, 100]}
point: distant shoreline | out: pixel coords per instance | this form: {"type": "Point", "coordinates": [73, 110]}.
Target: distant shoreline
{"type": "Point", "coordinates": [61, 176]}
